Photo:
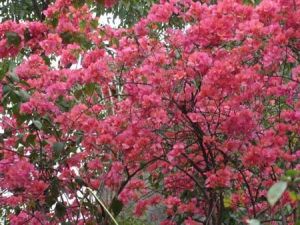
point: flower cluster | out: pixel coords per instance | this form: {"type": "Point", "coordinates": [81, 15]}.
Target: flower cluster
{"type": "Point", "coordinates": [199, 118]}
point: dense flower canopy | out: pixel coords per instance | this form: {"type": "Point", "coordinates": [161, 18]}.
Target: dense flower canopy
{"type": "Point", "coordinates": [199, 118]}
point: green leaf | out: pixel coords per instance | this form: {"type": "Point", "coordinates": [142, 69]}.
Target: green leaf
{"type": "Point", "coordinates": [66, 223]}
{"type": "Point", "coordinates": [20, 151]}
{"type": "Point", "coordinates": [30, 139]}
{"type": "Point", "coordinates": [4, 67]}
{"type": "Point", "coordinates": [17, 210]}
{"type": "Point", "coordinates": [58, 146]}
{"type": "Point", "coordinates": [53, 20]}
{"type": "Point", "coordinates": [23, 95]}
{"type": "Point", "coordinates": [114, 41]}
{"type": "Point", "coordinates": [89, 89]}
{"type": "Point", "coordinates": [116, 206]}
{"type": "Point", "coordinates": [83, 41]}
{"type": "Point", "coordinates": [60, 210]}
{"type": "Point", "coordinates": [292, 173]}
{"type": "Point", "coordinates": [15, 99]}
{"type": "Point", "coordinates": [14, 77]}
{"type": "Point", "coordinates": [276, 191]}
{"type": "Point", "coordinates": [64, 104]}
{"type": "Point", "coordinates": [37, 124]}
{"type": "Point", "coordinates": [33, 156]}
{"type": "Point", "coordinates": [82, 24]}
{"type": "Point", "coordinates": [78, 94]}
{"type": "Point", "coordinates": [293, 195]}
{"type": "Point", "coordinates": [46, 59]}
{"type": "Point", "coordinates": [75, 37]}
{"type": "Point", "coordinates": [79, 138]}
{"type": "Point", "coordinates": [27, 35]}
{"type": "Point", "coordinates": [297, 180]}
{"type": "Point", "coordinates": [186, 194]}
{"type": "Point", "coordinates": [52, 192]}
{"type": "Point", "coordinates": [227, 202]}
{"type": "Point", "coordinates": [6, 89]}
{"type": "Point", "coordinates": [13, 38]}
{"type": "Point", "coordinates": [253, 222]}
{"type": "Point", "coordinates": [22, 118]}
{"type": "Point", "coordinates": [177, 54]}
{"type": "Point", "coordinates": [67, 37]}
{"type": "Point", "coordinates": [94, 24]}
{"type": "Point", "coordinates": [78, 3]}
{"type": "Point", "coordinates": [80, 182]}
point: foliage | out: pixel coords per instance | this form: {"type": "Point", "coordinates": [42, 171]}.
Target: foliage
{"type": "Point", "coordinates": [193, 110]}
{"type": "Point", "coordinates": [23, 9]}
{"type": "Point", "coordinates": [132, 221]}
{"type": "Point", "coordinates": [127, 11]}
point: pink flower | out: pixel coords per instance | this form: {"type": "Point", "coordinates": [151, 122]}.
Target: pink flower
{"type": "Point", "coordinates": [161, 13]}
{"type": "Point", "coordinates": [221, 178]}
{"type": "Point", "coordinates": [52, 44]}
{"type": "Point", "coordinates": [69, 56]}
{"type": "Point", "coordinates": [200, 61]}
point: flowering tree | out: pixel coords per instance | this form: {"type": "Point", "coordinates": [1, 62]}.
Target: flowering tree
{"type": "Point", "coordinates": [194, 108]}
